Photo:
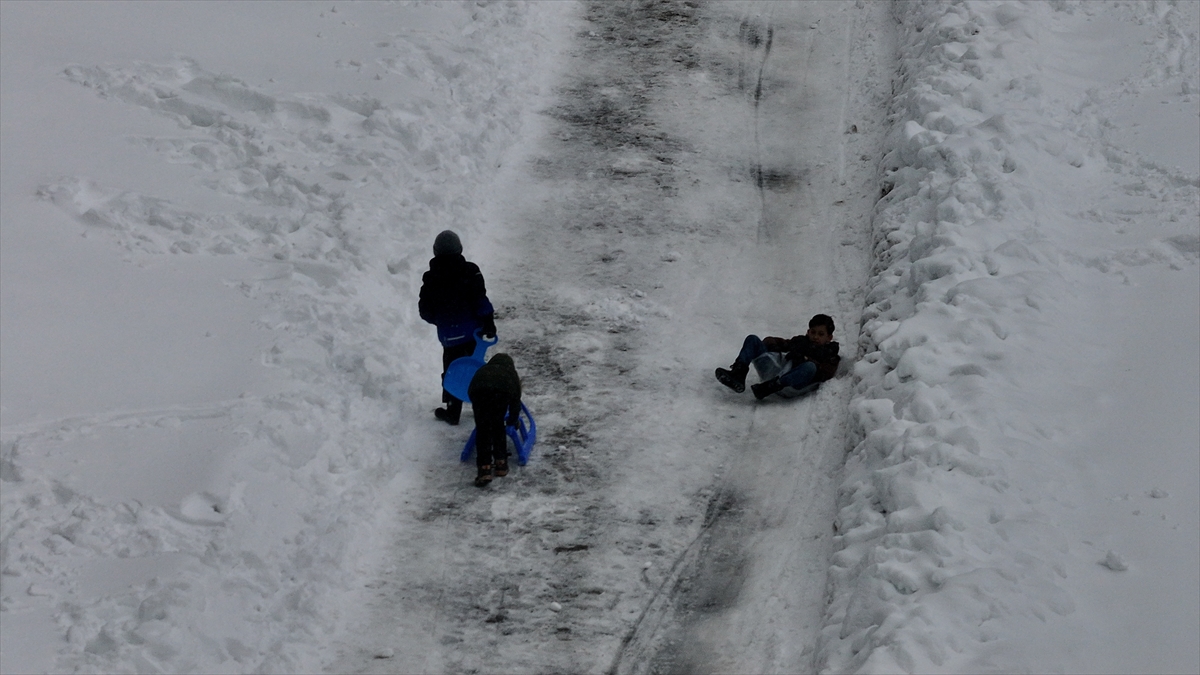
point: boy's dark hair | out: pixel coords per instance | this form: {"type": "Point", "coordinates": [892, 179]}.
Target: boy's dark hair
{"type": "Point", "coordinates": [821, 320]}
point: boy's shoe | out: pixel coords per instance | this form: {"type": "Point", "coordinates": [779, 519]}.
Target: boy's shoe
{"type": "Point", "coordinates": [484, 476]}
{"type": "Point", "coordinates": [448, 416]}
{"type": "Point", "coordinates": [765, 389]}
{"type": "Point", "coordinates": [733, 377]}
{"type": "Point", "coordinates": [501, 467]}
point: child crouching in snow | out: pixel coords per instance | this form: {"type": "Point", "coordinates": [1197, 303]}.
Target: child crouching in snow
{"type": "Point", "coordinates": [495, 393]}
{"type": "Point", "coordinates": [786, 367]}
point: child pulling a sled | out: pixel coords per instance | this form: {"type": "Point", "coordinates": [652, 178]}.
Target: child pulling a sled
{"type": "Point", "coordinates": [454, 298]}
{"type": "Point", "coordinates": [786, 367]}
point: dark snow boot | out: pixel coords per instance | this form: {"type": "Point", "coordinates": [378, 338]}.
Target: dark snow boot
{"type": "Point", "coordinates": [484, 477]}
{"type": "Point", "coordinates": [734, 377]}
{"type": "Point", "coordinates": [450, 413]}
{"type": "Point", "coordinates": [765, 389]}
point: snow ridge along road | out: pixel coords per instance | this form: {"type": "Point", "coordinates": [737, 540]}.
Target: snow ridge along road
{"type": "Point", "coordinates": [659, 510]}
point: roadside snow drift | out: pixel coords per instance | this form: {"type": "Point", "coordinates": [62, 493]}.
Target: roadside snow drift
{"type": "Point", "coordinates": [1011, 216]}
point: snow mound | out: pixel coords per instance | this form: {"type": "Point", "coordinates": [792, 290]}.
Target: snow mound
{"type": "Point", "coordinates": [949, 540]}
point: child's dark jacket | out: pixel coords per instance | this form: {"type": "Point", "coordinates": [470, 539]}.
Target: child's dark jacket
{"type": "Point", "coordinates": [800, 349]}
{"type": "Point", "coordinates": [496, 384]}
{"type": "Point", "coordinates": [453, 298]}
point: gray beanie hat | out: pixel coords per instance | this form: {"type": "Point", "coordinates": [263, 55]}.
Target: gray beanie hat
{"type": "Point", "coordinates": [447, 243]}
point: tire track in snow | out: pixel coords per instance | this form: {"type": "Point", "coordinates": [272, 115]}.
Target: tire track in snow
{"type": "Point", "coordinates": [749, 32]}
{"type": "Point", "coordinates": [638, 646]}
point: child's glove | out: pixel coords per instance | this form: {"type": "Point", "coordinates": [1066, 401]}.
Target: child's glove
{"type": "Point", "coordinates": [512, 421]}
{"type": "Point", "coordinates": [488, 327]}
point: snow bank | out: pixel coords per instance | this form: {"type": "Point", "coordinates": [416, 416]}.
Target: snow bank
{"type": "Point", "coordinates": [950, 548]}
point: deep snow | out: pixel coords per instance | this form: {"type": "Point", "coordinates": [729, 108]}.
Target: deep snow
{"type": "Point", "coordinates": [218, 453]}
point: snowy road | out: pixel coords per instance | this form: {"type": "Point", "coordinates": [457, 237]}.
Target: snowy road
{"type": "Point", "coordinates": [661, 510]}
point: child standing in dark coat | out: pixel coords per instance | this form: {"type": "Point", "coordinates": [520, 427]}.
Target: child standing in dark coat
{"type": "Point", "coordinates": [786, 366]}
{"type": "Point", "coordinates": [454, 299]}
{"type": "Point", "coordinates": [495, 394]}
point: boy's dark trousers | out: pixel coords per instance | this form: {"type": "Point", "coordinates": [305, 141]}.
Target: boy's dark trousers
{"type": "Point", "coordinates": [491, 441]}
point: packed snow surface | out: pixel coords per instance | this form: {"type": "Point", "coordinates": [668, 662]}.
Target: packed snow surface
{"type": "Point", "coordinates": [218, 452]}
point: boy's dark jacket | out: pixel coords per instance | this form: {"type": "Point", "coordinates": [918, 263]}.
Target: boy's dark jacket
{"type": "Point", "coordinates": [800, 349]}
{"type": "Point", "coordinates": [454, 299]}
{"type": "Point", "coordinates": [497, 383]}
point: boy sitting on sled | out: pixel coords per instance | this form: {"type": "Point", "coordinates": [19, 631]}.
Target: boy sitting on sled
{"type": "Point", "coordinates": [786, 367]}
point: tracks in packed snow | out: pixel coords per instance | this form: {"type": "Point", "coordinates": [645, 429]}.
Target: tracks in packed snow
{"type": "Point", "coordinates": [680, 197]}
{"type": "Point", "coordinates": [755, 36]}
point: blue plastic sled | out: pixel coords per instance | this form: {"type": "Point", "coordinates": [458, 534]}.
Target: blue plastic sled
{"type": "Point", "coordinates": [523, 436]}
{"type": "Point", "coordinates": [461, 370]}
{"type": "Point", "coordinates": [772, 364]}
{"type": "Point", "coordinates": [458, 381]}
